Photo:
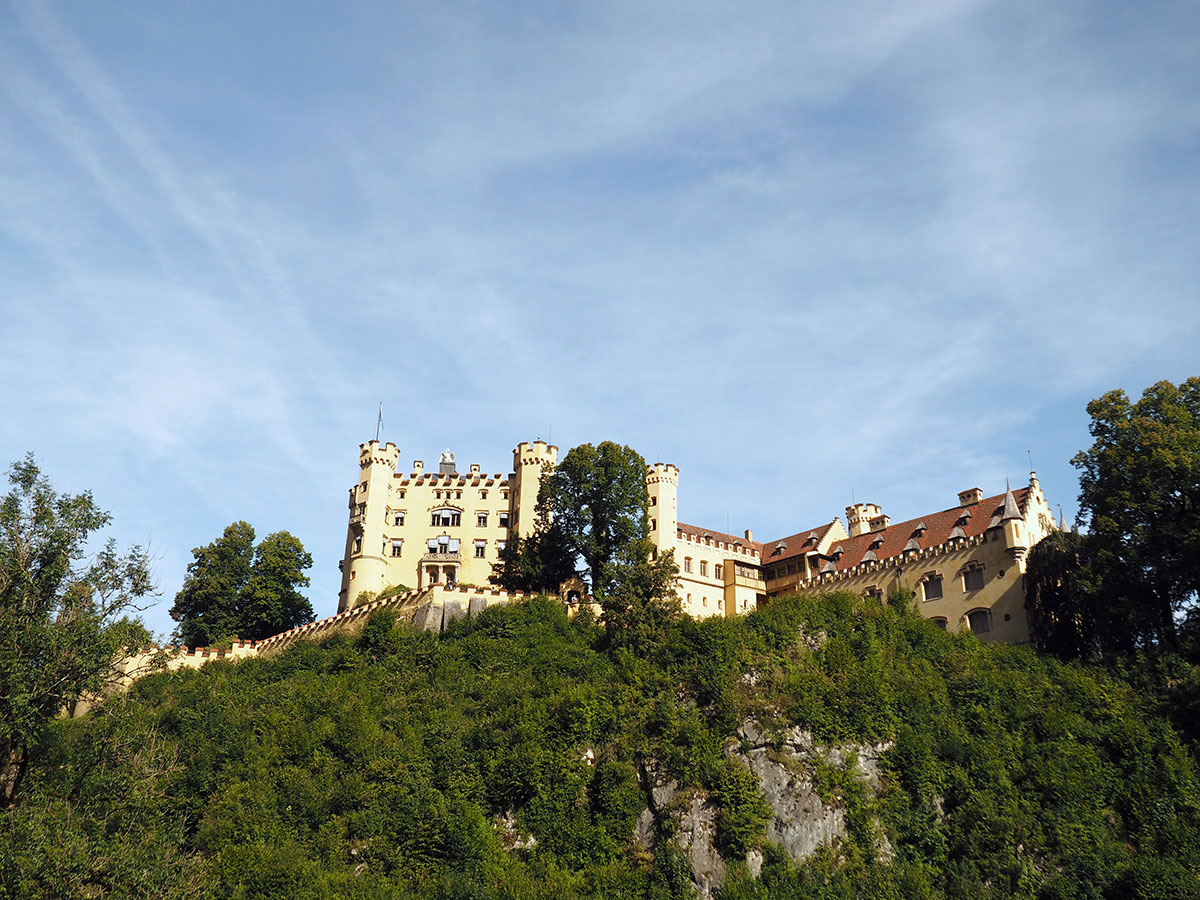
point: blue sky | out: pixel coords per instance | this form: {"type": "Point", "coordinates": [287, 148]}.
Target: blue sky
{"type": "Point", "coordinates": [806, 252]}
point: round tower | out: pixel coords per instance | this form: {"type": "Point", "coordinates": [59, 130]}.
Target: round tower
{"type": "Point", "coordinates": [662, 488]}
{"type": "Point", "coordinates": [530, 460]}
{"type": "Point", "coordinates": [364, 566]}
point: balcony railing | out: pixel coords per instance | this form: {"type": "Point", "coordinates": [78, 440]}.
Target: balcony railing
{"type": "Point", "coordinates": [442, 557]}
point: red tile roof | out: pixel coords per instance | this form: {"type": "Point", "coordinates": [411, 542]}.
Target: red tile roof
{"type": "Point", "coordinates": [797, 544]}
{"type": "Point", "coordinates": [938, 527]}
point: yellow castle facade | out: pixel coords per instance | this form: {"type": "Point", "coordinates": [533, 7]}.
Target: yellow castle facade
{"type": "Point", "coordinates": [965, 563]}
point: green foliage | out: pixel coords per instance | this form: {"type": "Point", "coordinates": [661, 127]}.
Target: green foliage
{"type": "Point", "coordinates": [404, 764]}
{"type": "Point", "coordinates": [539, 563]}
{"type": "Point", "coordinates": [62, 612]}
{"type": "Point", "coordinates": [234, 589]}
{"type": "Point", "coordinates": [1068, 613]}
{"type": "Point", "coordinates": [1140, 497]}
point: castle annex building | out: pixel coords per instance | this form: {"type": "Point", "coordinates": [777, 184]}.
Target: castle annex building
{"type": "Point", "coordinates": [965, 563]}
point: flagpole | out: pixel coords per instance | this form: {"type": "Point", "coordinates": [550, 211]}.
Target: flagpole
{"type": "Point", "coordinates": [379, 422]}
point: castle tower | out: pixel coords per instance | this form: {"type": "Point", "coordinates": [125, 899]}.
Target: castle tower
{"type": "Point", "coordinates": [529, 462]}
{"type": "Point", "coordinates": [859, 517]}
{"type": "Point", "coordinates": [662, 486]}
{"type": "Point", "coordinates": [364, 566]}
{"type": "Point", "coordinates": [1016, 541]}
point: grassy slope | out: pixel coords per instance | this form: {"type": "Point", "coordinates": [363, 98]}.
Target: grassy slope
{"type": "Point", "coordinates": [377, 767]}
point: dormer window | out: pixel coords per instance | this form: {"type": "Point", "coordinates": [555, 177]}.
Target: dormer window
{"type": "Point", "coordinates": [920, 530]}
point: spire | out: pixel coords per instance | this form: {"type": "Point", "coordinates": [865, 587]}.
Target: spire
{"type": "Point", "coordinates": [1010, 511]}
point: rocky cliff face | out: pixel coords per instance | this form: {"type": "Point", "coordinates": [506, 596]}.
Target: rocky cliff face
{"type": "Point", "coordinates": [785, 765]}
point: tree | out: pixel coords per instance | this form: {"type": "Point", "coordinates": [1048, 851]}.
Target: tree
{"type": "Point", "coordinates": [598, 499]}
{"type": "Point", "coordinates": [539, 563]}
{"type": "Point", "coordinates": [63, 611]}
{"type": "Point", "coordinates": [234, 589]}
{"type": "Point", "coordinates": [1061, 596]}
{"type": "Point", "coordinates": [592, 507]}
{"type": "Point", "coordinates": [1140, 497]}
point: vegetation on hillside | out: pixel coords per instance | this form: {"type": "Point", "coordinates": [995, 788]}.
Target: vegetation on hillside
{"type": "Point", "coordinates": [402, 764]}
{"type": "Point", "coordinates": [64, 611]}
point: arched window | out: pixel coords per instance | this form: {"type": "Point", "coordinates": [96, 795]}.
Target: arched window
{"type": "Point", "coordinates": [939, 622]}
{"type": "Point", "coordinates": [980, 620]}
{"type": "Point", "coordinates": [687, 564]}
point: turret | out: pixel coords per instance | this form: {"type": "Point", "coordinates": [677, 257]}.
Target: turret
{"type": "Point", "coordinates": [364, 566]}
{"type": "Point", "coordinates": [1016, 541]}
{"type": "Point", "coordinates": [529, 462]}
{"type": "Point", "coordinates": [860, 516]}
{"type": "Point", "coordinates": [662, 488]}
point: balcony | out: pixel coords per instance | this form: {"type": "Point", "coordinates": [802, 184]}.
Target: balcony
{"type": "Point", "coordinates": [357, 518]}
{"type": "Point", "coordinates": [442, 558]}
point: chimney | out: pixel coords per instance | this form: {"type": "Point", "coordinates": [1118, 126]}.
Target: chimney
{"type": "Point", "coordinates": [749, 535]}
{"type": "Point", "coordinates": [970, 497]}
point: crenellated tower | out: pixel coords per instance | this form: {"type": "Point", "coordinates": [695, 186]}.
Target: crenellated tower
{"type": "Point", "coordinates": [530, 460]}
{"type": "Point", "coordinates": [364, 565]}
{"type": "Point", "coordinates": [662, 486]}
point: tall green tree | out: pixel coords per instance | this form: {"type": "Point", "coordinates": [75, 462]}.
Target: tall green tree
{"type": "Point", "coordinates": [598, 499]}
{"type": "Point", "coordinates": [595, 501]}
{"type": "Point", "coordinates": [235, 589]}
{"type": "Point", "coordinates": [63, 611]}
{"type": "Point", "coordinates": [1140, 497]}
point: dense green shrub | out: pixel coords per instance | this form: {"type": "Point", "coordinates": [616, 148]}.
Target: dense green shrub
{"type": "Point", "coordinates": [403, 764]}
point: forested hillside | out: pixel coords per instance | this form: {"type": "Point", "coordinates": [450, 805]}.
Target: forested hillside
{"type": "Point", "coordinates": [521, 756]}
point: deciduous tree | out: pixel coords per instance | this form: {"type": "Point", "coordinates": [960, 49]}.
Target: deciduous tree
{"type": "Point", "coordinates": [234, 589]}
{"type": "Point", "coordinates": [63, 611]}
{"type": "Point", "coordinates": [1140, 497]}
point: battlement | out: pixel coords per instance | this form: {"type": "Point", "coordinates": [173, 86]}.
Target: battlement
{"type": "Point", "coordinates": [535, 453]}
{"type": "Point", "coordinates": [662, 473]}
{"type": "Point", "coordinates": [372, 453]}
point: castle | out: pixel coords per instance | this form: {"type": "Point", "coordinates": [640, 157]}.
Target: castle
{"type": "Point", "coordinates": [965, 564]}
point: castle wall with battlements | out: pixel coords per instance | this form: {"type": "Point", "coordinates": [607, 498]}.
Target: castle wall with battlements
{"type": "Point", "coordinates": [437, 526]}
{"type": "Point", "coordinates": [425, 528]}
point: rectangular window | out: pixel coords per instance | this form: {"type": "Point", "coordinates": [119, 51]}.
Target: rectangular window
{"type": "Point", "coordinates": [933, 587]}
{"type": "Point", "coordinates": [397, 547]}
{"type": "Point", "coordinates": [973, 579]}
{"type": "Point", "coordinates": [687, 564]}
{"type": "Point", "coordinates": [503, 520]}
{"type": "Point", "coordinates": [358, 543]}
{"type": "Point", "coordinates": [704, 567]}
{"type": "Point", "coordinates": [500, 545]}
{"type": "Point", "coordinates": [480, 549]}
{"type": "Point", "coordinates": [397, 518]}
{"type": "Point", "coordinates": [481, 520]}
{"type": "Point", "coordinates": [718, 571]}
{"type": "Point", "coordinates": [654, 501]}
{"type": "Point", "coordinates": [445, 518]}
